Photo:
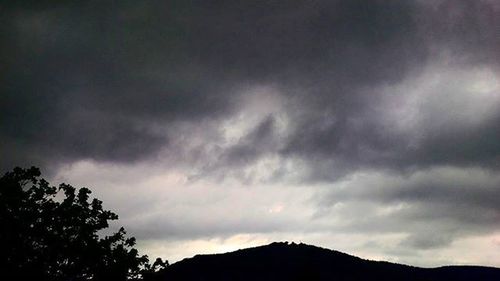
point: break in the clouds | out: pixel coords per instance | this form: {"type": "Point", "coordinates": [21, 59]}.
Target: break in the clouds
{"type": "Point", "coordinates": [367, 126]}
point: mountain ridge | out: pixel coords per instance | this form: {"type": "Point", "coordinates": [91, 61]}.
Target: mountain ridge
{"type": "Point", "coordinates": [291, 261]}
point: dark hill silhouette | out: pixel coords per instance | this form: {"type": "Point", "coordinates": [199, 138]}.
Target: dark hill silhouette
{"type": "Point", "coordinates": [284, 261]}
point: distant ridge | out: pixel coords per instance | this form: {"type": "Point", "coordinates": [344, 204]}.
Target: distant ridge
{"type": "Point", "coordinates": [290, 261]}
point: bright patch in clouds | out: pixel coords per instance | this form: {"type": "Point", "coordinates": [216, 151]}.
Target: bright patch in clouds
{"type": "Point", "coordinates": [442, 95]}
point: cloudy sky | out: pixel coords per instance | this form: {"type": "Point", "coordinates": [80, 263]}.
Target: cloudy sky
{"type": "Point", "coordinates": [370, 127]}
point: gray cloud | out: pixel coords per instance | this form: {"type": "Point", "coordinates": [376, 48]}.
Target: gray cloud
{"type": "Point", "coordinates": [434, 207]}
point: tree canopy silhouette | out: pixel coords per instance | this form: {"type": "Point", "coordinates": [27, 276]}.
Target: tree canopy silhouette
{"type": "Point", "coordinates": [52, 233]}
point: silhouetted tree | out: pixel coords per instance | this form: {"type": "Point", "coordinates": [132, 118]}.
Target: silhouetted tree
{"type": "Point", "coordinates": [51, 233]}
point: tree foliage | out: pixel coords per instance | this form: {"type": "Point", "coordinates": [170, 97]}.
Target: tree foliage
{"type": "Point", "coordinates": [52, 233]}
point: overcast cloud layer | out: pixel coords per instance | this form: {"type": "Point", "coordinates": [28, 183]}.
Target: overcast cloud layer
{"type": "Point", "coordinates": [371, 127]}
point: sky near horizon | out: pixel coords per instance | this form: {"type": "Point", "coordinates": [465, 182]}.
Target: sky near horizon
{"type": "Point", "coordinates": [369, 127]}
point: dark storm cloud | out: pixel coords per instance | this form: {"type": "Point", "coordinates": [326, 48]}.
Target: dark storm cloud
{"type": "Point", "coordinates": [339, 131]}
{"type": "Point", "coordinates": [108, 81]}
{"type": "Point", "coordinates": [87, 80]}
{"type": "Point", "coordinates": [354, 47]}
{"type": "Point", "coordinates": [476, 146]}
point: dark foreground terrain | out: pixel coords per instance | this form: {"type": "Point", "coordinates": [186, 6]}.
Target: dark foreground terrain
{"type": "Point", "coordinates": [284, 261]}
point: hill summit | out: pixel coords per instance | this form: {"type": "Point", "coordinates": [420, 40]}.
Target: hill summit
{"type": "Point", "coordinates": [290, 261]}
